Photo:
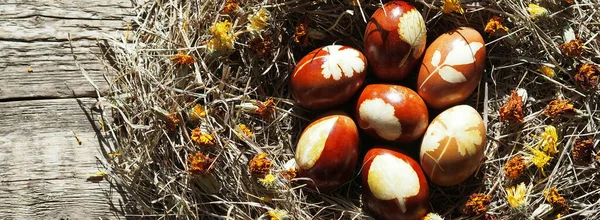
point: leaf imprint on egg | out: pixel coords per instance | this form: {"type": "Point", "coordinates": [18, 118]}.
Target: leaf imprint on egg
{"type": "Point", "coordinates": [454, 58]}
{"type": "Point", "coordinates": [393, 178]}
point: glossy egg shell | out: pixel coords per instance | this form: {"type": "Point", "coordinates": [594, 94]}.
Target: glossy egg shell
{"type": "Point", "coordinates": [395, 40]}
{"type": "Point", "coordinates": [391, 113]}
{"type": "Point", "coordinates": [452, 68]}
{"type": "Point", "coordinates": [394, 185]}
{"type": "Point", "coordinates": [328, 76]}
{"type": "Point", "coordinates": [453, 145]}
{"type": "Point", "coordinates": [327, 151]}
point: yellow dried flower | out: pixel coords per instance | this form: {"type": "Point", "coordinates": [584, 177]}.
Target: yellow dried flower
{"type": "Point", "coordinates": [556, 200]}
{"type": "Point", "coordinates": [536, 11]}
{"type": "Point", "coordinates": [278, 214]}
{"type": "Point", "coordinates": [495, 26]}
{"type": "Point", "coordinates": [549, 138]}
{"type": "Point", "coordinates": [558, 107]}
{"type": "Point", "coordinates": [515, 167]}
{"type": "Point", "coordinates": [243, 131]}
{"type": "Point", "coordinates": [197, 112]}
{"type": "Point", "coordinates": [201, 138]}
{"type": "Point", "coordinates": [260, 165]}
{"type": "Point", "coordinates": [223, 38]}
{"type": "Point", "coordinates": [432, 216]}
{"type": "Point", "coordinates": [582, 150]}
{"type": "Point", "coordinates": [517, 196]}
{"type": "Point", "coordinates": [477, 204]}
{"type": "Point", "coordinates": [573, 48]}
{"type": "Point", "coordinates": [114, 154]}
{"type": "Point", "coordinates": [268, 180]}
{"type": "Point", "coordinates": [452, 6]}
{"type": "Point", "coordinates": [200, 163]}
{"type": "Point", "coordinates": [183, 59]}
{"type": "Point", "coordinates": [548, 71]}
{"type": "Point", "coordinates": [539, 158]}
{"type": "Point", "coordinates": [259, 20]}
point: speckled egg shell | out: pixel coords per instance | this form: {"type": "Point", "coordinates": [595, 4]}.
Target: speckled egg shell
{"type": "Point", "coordinates": [452, 68]}
{"type": "Point", "coordinates": [328, 76]}
{"type": "Point", "coordinates": [453, 145]}
{"type": "Point", "coordinates": [395, 40]}
{"type": "Point", "coordinates": [391, 113]}
{"type": "Point", "coordinates": [394, 185]}
{"type": "Point", "coordinates": [327, 151]}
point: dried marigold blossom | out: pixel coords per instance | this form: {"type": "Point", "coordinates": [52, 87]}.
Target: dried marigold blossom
{"type": "Point", "coordinates": [243, 131]}
{"type": "Point", "coordinates": [183, 59]}
{"type": "Point", "coordinates": [301, 33]}
{"type": "Point", "coordinates": [266, 108]}
{"type": "Point", "coordinates": [201, 138]}
{"type": "Point", "coordinates": [548, 142]}
{"type": "Point", "coordinates": [223, 37]}
{"type": "Point", "coordinates": [230, 7]}
{"type": "Point", "coordinates": [573, 48]}
{"type": "Point", "coordinates": [259, 20]}
{"type": "Point", "coordinates": [197, 112]}
{"type": "Point", "coordinates": [517, 196]}
{"type": "Point", "coordinates": [200, 163]}
{"type": "Point", "coordinates": [495, 26]}
{"type": "Point", "coordinates": [260, 165]}
{"type": "Point", "coordinates": [432, 216]}
{"type": "Point", "coordinates": [536, 11]}
{"type": "Point", "coordinates": [512, 110]}
{"type": "Point", "coordinates": [261, 46]}
{"type": "Point", "coordinates": [556, 200]}
{"type": "Point", "coordinates": [539, 158]}
{"type": "Point", "coordinates": [548, 71]}
{"type": "Point", "coordinates": [582, 150]}
{"type": "Point", "coordinates": [452, 6]}
{"type": "Point", "coordinates": [558, 107]}
{"type": "Point", "coordinates": [289, 174]}
{"type": "Point", "coordinates": [477, 204]}
{"type": "Point", "coordinates": [268, 180]}
{"type": "Point", "coordinates": [515, 167]}
{"type": "Point", "coordinates": [570, 2]}
{"type": "Point", "coordinates": [587, 76]}
{"type": "Point", "coordinates": [172, 121]}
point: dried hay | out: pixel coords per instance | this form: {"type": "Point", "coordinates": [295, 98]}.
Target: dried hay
{"type": "Point", "coordinates": [152, 99]}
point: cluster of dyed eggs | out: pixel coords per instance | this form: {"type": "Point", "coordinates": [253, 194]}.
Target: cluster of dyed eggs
{"type": "Point", "coordinates": [395, 185]}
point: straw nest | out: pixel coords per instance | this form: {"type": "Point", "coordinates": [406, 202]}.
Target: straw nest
{"type": "Point", "coordinates": [186, 114]}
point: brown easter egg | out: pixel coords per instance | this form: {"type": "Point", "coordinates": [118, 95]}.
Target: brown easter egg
{"type": "Point", "coordinates": [328, 76]}
{"type": "Point", "coordinates": [452, 68]}
{"type": "Point", "coordinates": [395, 40]}
{"type": "Point", "coordinates": [391, 113]}
{"type": "Point", "coordinates": [394, 185]}
{"type": "Point", "coordinates": [453, 145]}
{"type": "Point", "coordinates": [327, 151]}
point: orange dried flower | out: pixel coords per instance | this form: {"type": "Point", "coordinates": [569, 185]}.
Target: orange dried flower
{"type": "Point", "coordinates": [477, 204]}
{"type": "Point", "coordinates": [261, 46]}
{"type": "Point", "coordinates": [570, 2]}
{"type": "Point", "coordinates": [183, 59]}
{"type": "Point", "coordinates": [200, 163]}
{"type": "Point", "coordinates": [172, 121]}
{"type": "Point", "coordinates": [230, 7]}
{"type": "Point", "coordinates": [556, 200]}
{"type": "Point", "coordinates": [301, 33]}
{"type": "Point", "coordinates": [260, 165]}
{"type": "Point", "coordinates": [558, 107]}
{"type": "Point", "coordinates": [266, 108]}
{"type": "Point", "coordinates": [515, 167]}
{"type": "Point", "coordinates": [512, 110]}
{"type": "Point", "coordinates": [573, 48]}
{"type": "Point", "coordinates": [582, 150]}
{"type": "Point", "coordinates": [289, 173]}
{"type": "Point", "coordinates": [202, 138]}
{"type": "Point", "coordinates": [495, 26]}
{"type": "Point", "coordinates": [197, 112]}
{"type": "Point", "coordinates": [587, 76]}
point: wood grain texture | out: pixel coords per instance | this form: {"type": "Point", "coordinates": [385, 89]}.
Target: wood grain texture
{"type": "Point", "coordinates": [43, 169]}
{"type": "Point", "coordinates": [34, 34]}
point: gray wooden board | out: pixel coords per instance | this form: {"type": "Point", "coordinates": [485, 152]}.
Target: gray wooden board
{"type": "Point", "coordinates": [43, 169]}
{"type": "Point", "coordinates": [34, 34]}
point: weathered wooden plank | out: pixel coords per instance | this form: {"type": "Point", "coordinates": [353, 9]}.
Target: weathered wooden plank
{"type": "Point", "coordinates": [43, 169]}
{"type": "Point", "coordinates": [34, 34]}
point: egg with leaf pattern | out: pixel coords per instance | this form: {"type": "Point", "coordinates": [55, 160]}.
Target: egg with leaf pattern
{"type": "Point", "coordinates": [452, 68]}
{"type": "Point", "coordinates": [453, 145]}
